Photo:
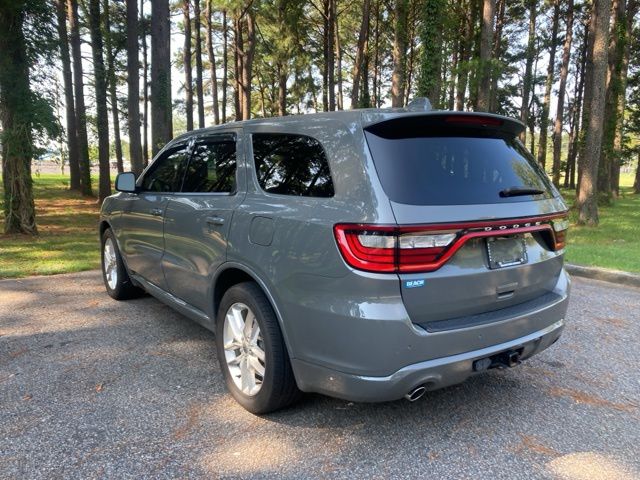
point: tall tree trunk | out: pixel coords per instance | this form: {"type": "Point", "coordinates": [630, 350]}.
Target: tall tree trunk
{"type": "Point", "coordinates": [247, 65]}
{"type": "Point", "coordinates": [360, 51]}
{"type": "Point", "coordinates": [329, 54]}
{"type": "Point", "coordinates": [72, 133]}
{"type": "Point", "coordinates": [570, 168]}
{"type": "Point", "coordinates": [186, 59]}
{"type": "Point", "coordinates": [312, 87]}
{"type": "Point", "coordinates": [576, 113]}
{"type": "Point", "coordinates": [587, 94]}
{"type": "Point", "coordinates": [399, 53]}
{"type": "Point", "coordinates": [198, 52]}
{"type": "Point", "coordinates": [636, 183]}
{"type": "Point", "coordinates": [377, 67]}
{"type": "Point", "coordinates": [212, 63]}
{"type": "Point", "coordinates": [17, 143]}
{"type": "Point", "coordinates": [225, 64]}
{"type": "Point", "coordinates": [564, 71]}
{"type": "Point", "coordinates": [282, 90]}
{"type": "Point", "coordinates": [100, 82]}
{"type": "Point", "coordinates": [133, 88]}
{"type": "Point", "coordinates": [145, 89]}
{"type": "Point", "coordinates": [78, 86]}
{"type": "Point", "coordinates": [325, 55]}
{"type": "Point", "coordinates": [544, 120]}
{"type": "Point", "coordinates": [587, 200]}
{"type": "Point", "coordinates": [528, 75]}
{"type": "Point", "coordinates": [486, 35]}
{"type": "Point", "coordinates": [497, 54]}
{"type": "Point", "coordinates": [451, 95]}
{"type": "Point", "coordinates": [161, 108]}
{"type": "Point", "coordinates": [338, 54]}
{"type": "Point", "coordinates": [365, 92]}
{"type": "Point", "coordinates": [467, 24]}
{"type": "Point", "coordinates": [237, 52]}
{"type": "Point", "coordinates": [608, 156]}
{"type": "Point", "coordinates": [632, 10]}
{"type": "Point", "coordinates": [430, 80]}
{"type": "Point", "coordinates": [411, 60]}
{"type": "Point", "coordinates": [111, 80]}
{"type": "Point", "coordinates": [474, 73]}
{"type": "Point", "coordinates": [332, 56]}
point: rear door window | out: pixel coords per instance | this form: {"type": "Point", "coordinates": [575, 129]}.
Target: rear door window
{"type": "Point", "coordinates": [289, 164]}
{"type": "Point", "coordinates": [212, 168]}
{"type": "Point", "coordinates": [454, 170]}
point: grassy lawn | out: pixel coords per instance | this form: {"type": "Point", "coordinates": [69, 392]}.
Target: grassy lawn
{"type": "Point", "coordinates": [615, 243]}
{"type": "Point", "coordinates": [67, 226]}
{"type": "Point", "coordinates": [68, 240]}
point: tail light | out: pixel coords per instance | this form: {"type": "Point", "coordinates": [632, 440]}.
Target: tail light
{"type": "Point", "coordinates": [406, 249]}
{"type": "Point", "coordinates": [560, 227]}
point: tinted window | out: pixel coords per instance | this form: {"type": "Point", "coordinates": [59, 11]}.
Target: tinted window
{"type": "Point", "coordinates": [212, 168]}
{"type": "Point", "coordinates": [291, 165]}
{"type": "Point", "coordinates": [454, 170]}
{"type": "Point", "coordinates": [166, 173]}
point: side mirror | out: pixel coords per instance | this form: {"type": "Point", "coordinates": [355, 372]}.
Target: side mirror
{"type": "Point", "coordinates": [126, 182]}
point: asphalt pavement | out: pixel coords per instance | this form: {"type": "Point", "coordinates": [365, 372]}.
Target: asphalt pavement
{"type": "Point", "coordinates": [94, 388]}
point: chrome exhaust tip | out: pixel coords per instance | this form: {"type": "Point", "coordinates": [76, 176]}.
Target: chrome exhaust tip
{"type": "Point", "coordinates": [416, 393]}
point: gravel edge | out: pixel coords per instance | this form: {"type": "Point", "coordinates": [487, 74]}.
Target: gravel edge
{"type": "Point", "coordinates": [604, 274]}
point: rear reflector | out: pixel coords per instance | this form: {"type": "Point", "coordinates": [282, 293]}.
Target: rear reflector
{"type": "Point", "coordinates": [474, 120]}
{"type": "Point", "coordinates": [404, 249]}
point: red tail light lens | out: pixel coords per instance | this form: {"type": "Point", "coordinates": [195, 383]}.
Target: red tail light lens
{"type": "Point", "coordinates": [405, 249]}
{"type": "Point", "coordinates": [378, 248]}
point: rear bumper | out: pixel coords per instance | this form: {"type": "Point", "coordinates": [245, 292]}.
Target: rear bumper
{"type": "Point", "coordinates": [433, 374]}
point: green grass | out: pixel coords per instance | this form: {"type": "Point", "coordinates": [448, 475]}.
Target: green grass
{"type": "Point", "coordinates": [68, 241]}
{"type": "Point", "coordinates": [67, 227]}
{"type": "Point", "coordinates": [615, 243]}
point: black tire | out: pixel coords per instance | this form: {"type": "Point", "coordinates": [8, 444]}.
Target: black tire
{"type": "Point", "coordinates": [124, 288]}
{"type": "Point", "coordinates": [279, 387]}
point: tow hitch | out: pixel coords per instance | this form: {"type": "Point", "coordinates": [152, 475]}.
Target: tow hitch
{"type": "Point", "coordinates": [501, 360]}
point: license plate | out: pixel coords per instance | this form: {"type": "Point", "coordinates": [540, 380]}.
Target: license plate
{"type": "Point", "coordinates": [506, 251]}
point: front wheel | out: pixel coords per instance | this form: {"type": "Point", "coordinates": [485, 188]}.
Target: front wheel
{"type": "Point", "coordinates": [251, 351]}
{"type": "Point", "coordinates": [114, 273]}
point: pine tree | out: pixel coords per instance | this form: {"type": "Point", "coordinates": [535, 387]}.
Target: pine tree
{"type": "Point", "coordinates": [133, 88]}
{"type": "Point", "coordinates": [161, 108]}
{"type": "Point", "coordinates": [16, 112]}
{"type": "Point", "coordinates": [587, 198]}
{"type": "Point", "coordinates": [78, 86]}
{"type": "Point", "coordinates": [72, 132]}
{"type": "Point", "coordinates": [100, 83]}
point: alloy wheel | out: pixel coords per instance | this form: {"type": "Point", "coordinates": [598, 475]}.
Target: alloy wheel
{"type": "Point", "coordinates": [244, 349]}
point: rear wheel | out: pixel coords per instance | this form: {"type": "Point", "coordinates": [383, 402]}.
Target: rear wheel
{"type": "Point", "coordinates": [114, 273]}
{"type": "Point", "coordinates": [251, 351]}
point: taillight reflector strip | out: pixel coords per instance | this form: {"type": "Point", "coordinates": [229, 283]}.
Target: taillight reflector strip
{"type": "Point", "coordinates": [425, 248]}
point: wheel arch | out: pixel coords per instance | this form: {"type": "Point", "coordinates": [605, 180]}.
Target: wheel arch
{"type": "Point", "coordinates": [232, 273]}
{"type": "Point", "coordinates": [103, 226]}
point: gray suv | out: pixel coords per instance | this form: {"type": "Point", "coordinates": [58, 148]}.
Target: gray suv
{"type": "Point", "coordinates": [368, 255]}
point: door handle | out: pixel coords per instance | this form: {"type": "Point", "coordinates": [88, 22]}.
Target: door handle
{"type": "Point", "coordinates": [156, 211]}
{"type": "Point", "coordinates": [215, 220]}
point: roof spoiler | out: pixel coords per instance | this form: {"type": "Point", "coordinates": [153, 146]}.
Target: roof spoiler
{"type": "Point", "coordinates": [412, 123]}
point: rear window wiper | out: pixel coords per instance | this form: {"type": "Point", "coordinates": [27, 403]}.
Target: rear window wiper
{"type": "Point", "coordinates": [517, 191]}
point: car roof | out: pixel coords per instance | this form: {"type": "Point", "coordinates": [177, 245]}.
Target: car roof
{"type": "Point", "coordinates": [365, 117]}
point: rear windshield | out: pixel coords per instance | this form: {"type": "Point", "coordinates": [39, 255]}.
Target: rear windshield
{"type": "Point", "coordinates": [454, 170]}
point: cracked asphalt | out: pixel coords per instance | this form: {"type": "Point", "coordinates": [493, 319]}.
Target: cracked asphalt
{"type": "Point", "coordinates": [94, 388]}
